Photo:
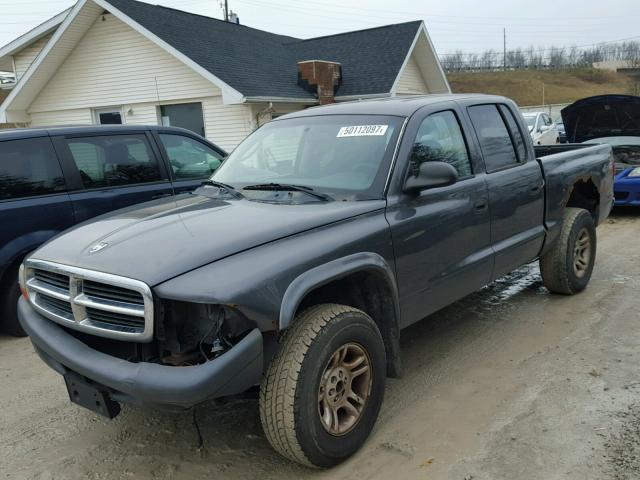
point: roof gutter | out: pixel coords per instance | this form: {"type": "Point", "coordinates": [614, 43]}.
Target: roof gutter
{"type": "Point", "coordinates": [307, 101]}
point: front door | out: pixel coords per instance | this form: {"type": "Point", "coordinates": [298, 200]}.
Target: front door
{"type": "Point", "coordinates": [514, 179]}
{"type": "Point", "coordinates": [441, 236]}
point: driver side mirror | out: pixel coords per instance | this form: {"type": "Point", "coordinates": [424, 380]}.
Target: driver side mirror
{"type": "Point", "coordinates": [431, 175]}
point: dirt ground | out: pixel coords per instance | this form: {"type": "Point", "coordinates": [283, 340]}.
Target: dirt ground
{"type": "Point", "coordinates": [509, 383]}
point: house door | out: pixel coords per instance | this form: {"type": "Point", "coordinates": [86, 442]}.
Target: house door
{"type": "Point", "coordinates": [108, 116]}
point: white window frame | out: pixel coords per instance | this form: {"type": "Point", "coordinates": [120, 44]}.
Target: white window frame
{"type": "Point", "coordinates": [97, 111]}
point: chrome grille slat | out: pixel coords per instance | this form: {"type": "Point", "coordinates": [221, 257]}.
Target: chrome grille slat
{"type": "Point", "coordinates": [110, 305]}
{"type": "Point", "coordinates": [60, 305]}
{"type": "Point", "coordinates": [115, 318]}
{"type": "Point", "coordinates": [53, 279]}
{"type": "Point", "coordinates": [94, 302]}
{"type": "Point", "coordinates": [110, 292]}
{"type": "Point", "coordinates": [47, 289]}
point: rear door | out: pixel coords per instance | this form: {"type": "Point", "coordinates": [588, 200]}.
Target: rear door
{"type": "Point", "coordinates": [34, 203]}
{"type": "Point", "coordinates": [514, 179]}
{"type": "Point", "coordinates": [112, 171]}
{"type": "Point", "coordinates": [189, 159]}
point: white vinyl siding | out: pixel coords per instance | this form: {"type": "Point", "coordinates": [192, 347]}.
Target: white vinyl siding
{"type": "Point", "coordinates": [411, 80]}
{"type": "Point", "coordinates": [80, 116]}
{"type": "Point", "coordinates": [115, 65]}
{"type": "Point", "coordinates": [141, 114]}
{"type": "Point", "coordinates": [25, 57]}
{"type": "Point", "coordinates": [226, 125]}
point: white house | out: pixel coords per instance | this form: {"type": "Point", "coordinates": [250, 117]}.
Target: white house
{"type": "Point", "coordinates": [124, 61]}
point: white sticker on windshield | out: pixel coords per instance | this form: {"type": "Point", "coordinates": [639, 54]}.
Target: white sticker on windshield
{"type": "Point", "coordinates": [362, 131]}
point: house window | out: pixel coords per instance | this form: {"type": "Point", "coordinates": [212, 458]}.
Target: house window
{"type": "Point", "coordinates": [108, 116]}
{"type": "Point", "coordinates": [184, 115]}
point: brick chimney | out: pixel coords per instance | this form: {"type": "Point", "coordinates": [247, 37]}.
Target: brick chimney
{"type": "Point", "coordinates": [320, 77]}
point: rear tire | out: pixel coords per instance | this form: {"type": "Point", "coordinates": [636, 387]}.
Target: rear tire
{"type": "Point", "coordinates": [9, 322]}
{"type": "Point", "coordinates": [567, 267]}
{"type": "Point", "coordinates": [331, 356]}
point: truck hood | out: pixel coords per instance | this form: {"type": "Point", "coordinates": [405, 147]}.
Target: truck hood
{"type": "Point", "coordinates": [159, 240]}
{"type": "Point", "coordinates": [602, 116]}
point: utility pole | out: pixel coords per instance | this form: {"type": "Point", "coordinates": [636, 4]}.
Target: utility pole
{"type": "Point", "coordinates": [504, 45]}
{"type": "Point", "coordinates": [226, 10]}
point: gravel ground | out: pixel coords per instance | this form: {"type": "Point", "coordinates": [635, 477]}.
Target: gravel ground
{"type": "Point", "coordinates": [509, 383]}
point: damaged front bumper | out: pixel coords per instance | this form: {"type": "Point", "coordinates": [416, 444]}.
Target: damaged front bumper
{"type": "Point", "coordinates": [233, 372]}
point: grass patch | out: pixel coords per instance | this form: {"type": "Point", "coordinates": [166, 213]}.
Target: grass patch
{"type": "Point", "coordinates": [560, 86]}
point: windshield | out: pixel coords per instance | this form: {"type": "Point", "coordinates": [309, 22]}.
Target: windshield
{"type": "Point", "coordinates": [342, 155]}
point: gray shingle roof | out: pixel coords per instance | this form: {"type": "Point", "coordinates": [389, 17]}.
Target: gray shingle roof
{"type": "Point", "coordinates": [263, 64]}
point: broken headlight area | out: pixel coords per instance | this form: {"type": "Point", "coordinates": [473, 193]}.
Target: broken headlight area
{"type": "Point", "coordinates": [185, 334]}
{"type": "Point", "coordinates": [194, 333]}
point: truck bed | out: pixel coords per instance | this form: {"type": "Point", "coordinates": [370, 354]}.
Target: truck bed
{"type": "Point", "coordinates": [565, 164]}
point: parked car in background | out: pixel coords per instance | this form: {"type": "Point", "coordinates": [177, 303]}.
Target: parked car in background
{"type": "Point", "coordinates": [323, 234]}
{"type": "Point", "coordinates": [541, 128]}
{"type": "Point", "coordinates": [614, 120]}
{"type": "Point", "coordinates": [561, 132]}
{"type": "Point", "coordinates": [51, 179]}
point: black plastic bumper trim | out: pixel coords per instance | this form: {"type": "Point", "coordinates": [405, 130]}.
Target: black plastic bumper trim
{"type": "Point", "coordinates": [233, 372]}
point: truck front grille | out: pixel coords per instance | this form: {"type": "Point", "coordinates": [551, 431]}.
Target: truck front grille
{"type": "Point", "coordinates": [93, 302]}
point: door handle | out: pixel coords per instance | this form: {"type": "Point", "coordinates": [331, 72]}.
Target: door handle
{"type": "Point", "coordinates": [160, 195]}
{"type": "Point", "coordinates": [480, 205]}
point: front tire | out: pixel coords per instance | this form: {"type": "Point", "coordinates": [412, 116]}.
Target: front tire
{"type": "Point", "coordinates": [567, 267]}
{"type": "Point", "coordinates": [323, 390]}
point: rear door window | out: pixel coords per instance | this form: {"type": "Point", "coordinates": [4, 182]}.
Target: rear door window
{"type": "Point", "coordinates": [111, 161]}
{"type": "Point", "coordinates": [29, 168]}
{"type": "Point", "coordinates": [516, 133]}
{"type": "Point", "coordinates": [495, 141]}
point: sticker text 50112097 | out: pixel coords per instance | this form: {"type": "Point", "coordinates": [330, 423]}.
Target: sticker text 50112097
{"type": "Point", "coordinates": [362, 131]}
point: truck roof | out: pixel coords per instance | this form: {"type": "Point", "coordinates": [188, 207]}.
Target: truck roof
{"type": "Point", "coordinates": [403, 106]}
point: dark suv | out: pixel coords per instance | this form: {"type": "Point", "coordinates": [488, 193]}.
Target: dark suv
{"type": "Point", "coordinates": [53, 178]}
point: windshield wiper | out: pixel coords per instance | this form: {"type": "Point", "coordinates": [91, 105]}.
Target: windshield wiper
{"type": "Point", "coordinates": [286, 187]}
{"type": "Point", "coordinates": [223, 186]}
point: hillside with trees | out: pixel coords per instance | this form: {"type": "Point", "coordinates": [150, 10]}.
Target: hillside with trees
{"type": "Point", "coordinates": [551, 58]}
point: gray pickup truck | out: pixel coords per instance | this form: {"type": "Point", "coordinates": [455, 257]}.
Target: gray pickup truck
{"type": "Point", "coordinates": [296, 266]}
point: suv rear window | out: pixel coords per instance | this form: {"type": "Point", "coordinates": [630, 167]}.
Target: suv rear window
{"type": "Point", "coordinates": [29, 168]}
{"type": "Point", "coordinates": [114, 160]}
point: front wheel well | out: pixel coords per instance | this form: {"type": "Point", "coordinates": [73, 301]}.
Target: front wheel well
{"type": "Point", "coordinates": [371, 292]}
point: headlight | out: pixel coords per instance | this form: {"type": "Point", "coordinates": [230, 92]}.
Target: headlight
{"type": "Point", "coordinates": [635, 172]}
{"type": "Point", "coordinates": [23, 282]}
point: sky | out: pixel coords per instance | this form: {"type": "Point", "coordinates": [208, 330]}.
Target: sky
{"type": "Point", "coordinates": [468, 25]}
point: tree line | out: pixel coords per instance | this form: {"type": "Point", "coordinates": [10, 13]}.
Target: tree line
{"type": "Point", "coordinates": [542, 58]}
